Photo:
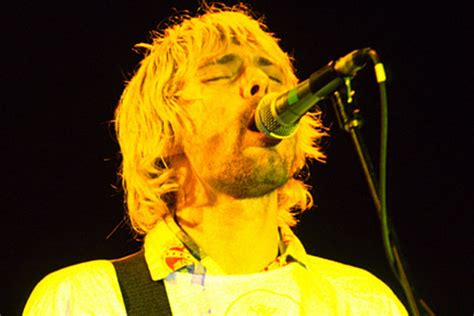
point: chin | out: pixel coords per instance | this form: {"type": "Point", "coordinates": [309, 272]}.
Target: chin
{"type": "Point", "coordinates": [256, 185]}
{"type": "Point", "coordinates": [256, 173]}
{"type": "Point", "coordinates": [248, 192]}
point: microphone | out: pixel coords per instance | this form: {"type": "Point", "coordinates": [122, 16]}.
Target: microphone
{"type": "Point", "coordinates": [277, 114]}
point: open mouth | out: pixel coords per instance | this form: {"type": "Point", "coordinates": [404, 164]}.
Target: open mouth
{"type": "Point", "coordinates": [262, 137]}
{"type": "Point", "coordinates": [252, 126]}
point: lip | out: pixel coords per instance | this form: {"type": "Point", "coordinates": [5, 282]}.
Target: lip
{"type": "Point", "coordinates": [254, 137]}
{"type": "Point", "coordinates": [258, 139]}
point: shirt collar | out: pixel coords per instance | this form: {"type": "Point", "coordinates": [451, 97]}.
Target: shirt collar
{"type": "Point", "coordinates": [169, 249]}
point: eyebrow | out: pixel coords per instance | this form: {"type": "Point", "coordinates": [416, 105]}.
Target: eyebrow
{"type": "Point", "coordinates": [226, 59]}
{"type": "Point", "coordinates": [262, 61]}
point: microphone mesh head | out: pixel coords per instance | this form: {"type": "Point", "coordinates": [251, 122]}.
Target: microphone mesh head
{"type": "Point", "coordinates": [267, 122]}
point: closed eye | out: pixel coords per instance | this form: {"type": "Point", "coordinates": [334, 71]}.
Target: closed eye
{"type": "Point", "coordinates": [212, 79]}
{"type": "Point", "coordinates": [275, 79]}
{"type": "Point", "coordinates": [216, 79]}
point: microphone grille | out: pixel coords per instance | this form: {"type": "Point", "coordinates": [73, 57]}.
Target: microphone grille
{"type": "Point", "coordinates": [267, 122]}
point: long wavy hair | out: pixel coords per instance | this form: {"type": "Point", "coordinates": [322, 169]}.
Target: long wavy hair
{"type": "Point", "coordinates": [151, 112]}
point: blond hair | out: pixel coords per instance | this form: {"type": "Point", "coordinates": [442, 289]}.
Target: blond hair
{"type": "Point", "coordinates": [150, 116]}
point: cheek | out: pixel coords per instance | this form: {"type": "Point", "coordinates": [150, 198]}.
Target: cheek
{"type": "Point", "coordinates": [289, 151]}
{"type": "Point", "coordinates": [210, 142]}
{"type": "Point", "coordinates": [215, 117]}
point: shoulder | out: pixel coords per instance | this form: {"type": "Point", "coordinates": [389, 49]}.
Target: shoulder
{"type": "Point", "coordinates": [356, 288]}
{"type": "Point", "coordinates": [340, 273]}
{"type": "Point", "coordinates": [82, 286]}
{"type": "Point", "coordinates": [78, 276]}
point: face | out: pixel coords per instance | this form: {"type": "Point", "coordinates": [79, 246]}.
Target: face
{"type": "Point", "coordinates": [222, 151]}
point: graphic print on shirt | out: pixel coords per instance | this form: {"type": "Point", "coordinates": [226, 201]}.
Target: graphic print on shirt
{"type": "Point", "coordinates": [263, 302]}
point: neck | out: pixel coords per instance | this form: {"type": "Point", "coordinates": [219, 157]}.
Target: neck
{"type": "Point", "coordinates": [241, 235]}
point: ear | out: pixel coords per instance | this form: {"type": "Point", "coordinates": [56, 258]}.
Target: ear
{"type": "Point", "coordinates": [169, 155]}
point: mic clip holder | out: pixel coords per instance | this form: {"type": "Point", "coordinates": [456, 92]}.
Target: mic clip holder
{"type": "Point", "coordinates": [347, 113]}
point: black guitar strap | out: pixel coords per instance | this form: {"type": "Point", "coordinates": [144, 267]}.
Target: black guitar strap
{"type": "Point", "coordinates": [142, 295]}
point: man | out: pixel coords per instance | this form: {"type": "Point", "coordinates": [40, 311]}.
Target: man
{"type": "Point", "coordinates": [213, 198]}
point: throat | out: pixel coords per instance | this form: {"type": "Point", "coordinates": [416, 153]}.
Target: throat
{"type": "Point", "coordinates": [246, 253]}
{"type": "Point", "coordinates": [239, 240]}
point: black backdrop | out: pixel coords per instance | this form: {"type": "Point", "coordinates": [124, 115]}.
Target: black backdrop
{"type": "Point", "coordinates": [64, 66]}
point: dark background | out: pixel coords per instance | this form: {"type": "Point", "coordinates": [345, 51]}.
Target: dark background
{"type": "Point", "coordinates": [64, 67]}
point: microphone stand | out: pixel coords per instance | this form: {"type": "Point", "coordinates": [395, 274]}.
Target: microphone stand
{"type": "Point", "coordinates": [349, 119]}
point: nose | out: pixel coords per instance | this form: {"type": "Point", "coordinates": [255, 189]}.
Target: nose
{"type": "Point", "coordinates": [254, 83]}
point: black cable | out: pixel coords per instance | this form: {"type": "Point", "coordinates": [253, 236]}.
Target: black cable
{"type": "Point", "coordinates": [389, 237]}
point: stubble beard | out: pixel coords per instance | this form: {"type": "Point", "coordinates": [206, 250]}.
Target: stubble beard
{"type": "Point", "coordinates": [251, 177]}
